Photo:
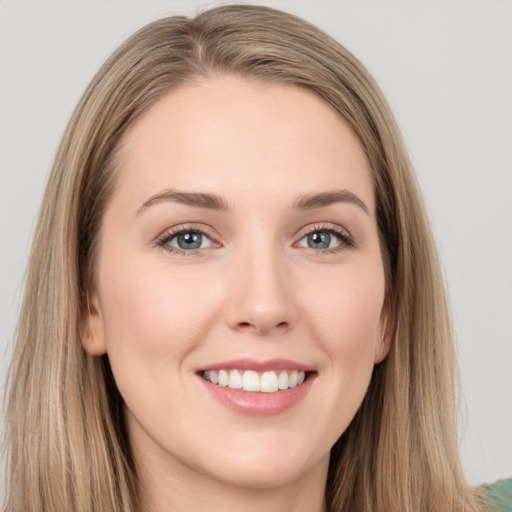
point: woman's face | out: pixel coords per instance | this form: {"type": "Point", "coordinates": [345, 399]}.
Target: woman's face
{"type": "Point", "coordinates": [239, 248]}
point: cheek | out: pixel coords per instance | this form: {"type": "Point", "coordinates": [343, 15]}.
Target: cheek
{"type": "Point", "coordinates": [153, 321]}
{"type": "Point", "coordinates": [347, 310]}
{"type": "Point", "coordinates": [347, 321]}
{"type": "Point", "coordinates": [154, 316]}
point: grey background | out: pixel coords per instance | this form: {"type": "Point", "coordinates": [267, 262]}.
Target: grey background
{"type": "Point", "coordinates": [446, 68]}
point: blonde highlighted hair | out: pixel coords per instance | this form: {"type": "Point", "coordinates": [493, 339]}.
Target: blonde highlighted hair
{"type": "Point", "coordinates": [67, 447]}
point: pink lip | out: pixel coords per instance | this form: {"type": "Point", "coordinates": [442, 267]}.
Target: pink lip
{"type": "Point", "coordinates": [259, 404]}
{"type": "Point", "coordinates": [258, 366]}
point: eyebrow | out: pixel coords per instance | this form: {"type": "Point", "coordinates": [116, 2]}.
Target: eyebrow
{"type": "Point", "coordinates": [312, 201]}
{"type": "Point", "coordinates": [197, 199]}
{"type": "Point", "coordinates": [216, 202]}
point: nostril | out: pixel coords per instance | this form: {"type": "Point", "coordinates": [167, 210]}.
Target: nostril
{"type": "Point", "coordinates": [262, 327]}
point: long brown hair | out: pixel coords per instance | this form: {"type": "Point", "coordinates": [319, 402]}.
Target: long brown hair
{"type": "Point", "coordinates": [67, 448]}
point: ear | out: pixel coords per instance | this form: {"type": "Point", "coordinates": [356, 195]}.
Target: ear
{"type": "Point", "coordinates": [385, 325]}
{"type": "Point", "coordinates": [92, 326]}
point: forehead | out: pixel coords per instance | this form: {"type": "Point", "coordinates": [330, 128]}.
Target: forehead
{"type": "Point", "coordinates": [230, 136]}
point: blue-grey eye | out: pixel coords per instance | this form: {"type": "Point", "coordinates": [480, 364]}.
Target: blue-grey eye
{"type": "Point", "coordinates": [320, 240]}
{"type": "Point", "coordinates": [189, 240]}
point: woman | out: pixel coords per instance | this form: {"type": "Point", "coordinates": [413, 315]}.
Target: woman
{"type": "Point", "coordinates": [233, 297]}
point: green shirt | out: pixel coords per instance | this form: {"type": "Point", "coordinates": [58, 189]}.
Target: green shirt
{"type": "Point", "coordinates": [499, 495]}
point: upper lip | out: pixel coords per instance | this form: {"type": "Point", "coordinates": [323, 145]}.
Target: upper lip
{"type": "Point", "coordinates": [258, 365]}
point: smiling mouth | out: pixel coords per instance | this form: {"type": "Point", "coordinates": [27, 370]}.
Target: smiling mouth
{"type": "Point", "coordinates": [250, 380]}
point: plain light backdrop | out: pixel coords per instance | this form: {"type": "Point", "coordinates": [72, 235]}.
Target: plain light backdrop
{"type": "Point", "coordinates": [446, 68]}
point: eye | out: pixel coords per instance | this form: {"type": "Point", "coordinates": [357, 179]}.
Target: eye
{"type": "Point", "coordinates": [326, 239]}
{"type": "Point", "coordinates": [185, 241]}
{"type": "Point", "coordinates": [321, 240]}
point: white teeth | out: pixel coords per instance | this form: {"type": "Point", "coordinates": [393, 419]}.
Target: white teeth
{"type": "Point", "coordinates": [235, 380]}
{"type": "Point", "coordinates": [249, 380]}
{"type": "Point", "coordinates": [223, 378]}
{"type": "Point", "coordinates": [269, 382]}
{"type": "Point", "coordinates": [282, 380]}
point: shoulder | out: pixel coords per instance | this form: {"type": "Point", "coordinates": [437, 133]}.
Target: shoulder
{"type": "Point", "coordinates": [499, 495]}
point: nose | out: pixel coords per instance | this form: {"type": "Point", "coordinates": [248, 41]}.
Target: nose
{"type": "Point", "coordinates": [261, 296]}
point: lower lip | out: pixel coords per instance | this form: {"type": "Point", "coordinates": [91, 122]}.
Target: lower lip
{"type": "Point", "coordinates": [259, 404]}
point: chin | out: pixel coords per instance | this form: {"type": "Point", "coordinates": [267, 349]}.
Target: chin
{"type": "Point", "coordinates": [265, 471]}
{"type": "Point", "coordinates": [261, 478]}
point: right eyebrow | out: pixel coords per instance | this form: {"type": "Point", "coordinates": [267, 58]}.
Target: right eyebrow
{"type": "Point", "coordinates": [197, 199]}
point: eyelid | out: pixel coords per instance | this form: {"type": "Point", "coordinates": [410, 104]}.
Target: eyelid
{"type": "Point", "coordinates": [346, 239]}
{"type": "Point", "coordinates": [163, 239]}
{"type": "Point", "coordinates": [344, 236]}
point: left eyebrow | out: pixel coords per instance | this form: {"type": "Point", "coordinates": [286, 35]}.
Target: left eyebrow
{"type": "Point", "coordinates": [312, 201]}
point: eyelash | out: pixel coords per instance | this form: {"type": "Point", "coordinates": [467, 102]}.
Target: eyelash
{"type": "Point", "coordinates": [346, 241]}
{"type": "Point", "coordinates": [167, 237]}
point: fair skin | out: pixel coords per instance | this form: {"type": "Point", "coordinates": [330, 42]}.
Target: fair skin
{"type": "Point", "coordinates": [262, 274]}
